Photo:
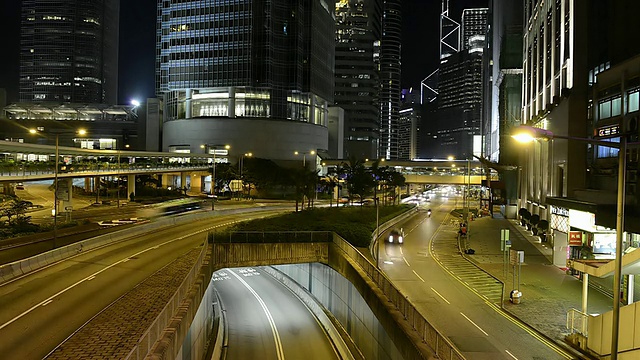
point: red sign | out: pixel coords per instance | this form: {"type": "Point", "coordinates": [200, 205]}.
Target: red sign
{"type": "Point", "coordinates": [575, 238]}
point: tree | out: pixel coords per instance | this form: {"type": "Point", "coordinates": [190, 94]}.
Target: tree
{"type": "Point", "coordinates": [15, 211]}
{"type": "Point", "coordinates": [543, 226]}
{"type": "Point", "coordinates": [396, 180]}
{"type": "Point", "coordinates": [535, 218]}
{"type": "Point", "coordinates": [359, 180]}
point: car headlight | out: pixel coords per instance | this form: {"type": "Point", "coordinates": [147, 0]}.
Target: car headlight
{"type": "Point", "coordinates": [391, 238]}
{"type": "Point", "coordinates": [400, 239]}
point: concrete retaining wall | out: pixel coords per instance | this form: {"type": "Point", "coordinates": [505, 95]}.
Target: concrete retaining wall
{"type": "Point", "coordinates": [339, 296]}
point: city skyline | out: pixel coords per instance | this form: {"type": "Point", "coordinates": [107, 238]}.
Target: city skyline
{"type": "Point", "coordinates": [137, 44]}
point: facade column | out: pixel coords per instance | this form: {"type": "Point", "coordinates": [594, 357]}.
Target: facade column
{"type": "Point", "coordinates": [231, 112]}
{"type": "Point", "coordinates": [585, 291]}
{"type": "Point", "coordinates": [187, 103]}
{"type": "Point", "coordinates": [196, 184]}
{"type": "Point", "coordinates": [131, 185]}
{"type": "Point", "coordinates": [183, 180]}
{"type": "Point", "coordinates": [165, 181]}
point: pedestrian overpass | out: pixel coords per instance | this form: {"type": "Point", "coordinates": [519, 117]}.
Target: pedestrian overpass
{"type": "Point", "coordinates": [447, 172]}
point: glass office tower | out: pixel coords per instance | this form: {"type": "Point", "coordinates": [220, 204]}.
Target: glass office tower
{"type": "Point", "coordinates": [255, 73]}
{"type": "Point", "coordinates": [69, 51]}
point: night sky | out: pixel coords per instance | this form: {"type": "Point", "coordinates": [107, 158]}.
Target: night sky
{"type": "Point", "coordinates": [137, 44]}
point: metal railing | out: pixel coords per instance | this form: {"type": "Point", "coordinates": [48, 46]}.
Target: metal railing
{"type": "Point", "coordinates": [429, 334]}
{"type": "Point", "coordinates": [259, 237]}
{"type": "Point", "coordinates": [578, 322]}
{"type": "Point", "coordinates": [81, 168]}
{"type": "Point", "coordinates": [154, 332]}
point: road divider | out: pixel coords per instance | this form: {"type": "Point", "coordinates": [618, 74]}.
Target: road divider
{"type": "Point", "coordinates": [17, 269]}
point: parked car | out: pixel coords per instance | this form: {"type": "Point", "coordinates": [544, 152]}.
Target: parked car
{"type": "Point", "coordinates": [396, 236]}
{"type": "Point", "coordinates": [19, 186]}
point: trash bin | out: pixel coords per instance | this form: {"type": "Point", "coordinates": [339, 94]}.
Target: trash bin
{"type": "Point", "coordinates": [515, 296]}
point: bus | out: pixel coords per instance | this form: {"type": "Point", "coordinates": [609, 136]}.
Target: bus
{"type": "Point", "coordinates": [170, 207]}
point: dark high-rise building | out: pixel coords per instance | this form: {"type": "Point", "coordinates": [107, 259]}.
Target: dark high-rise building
{"type": "Point", "coordinates": [474, 22]}
{"type": "Point", "coordinates": [460, 103]}
{"type": "Point", "coordinates": [69, 51]}
{"type": "Point", "coordinates": [390, 81]}
{"type": "Point", "coordinates": [257, 75]}
{"type": "Point", "coordinates": [409, 125]}
{"type": "Point", "coordinates": [358, 36]}
{"type": "Point", "coordinates": [502, 81]}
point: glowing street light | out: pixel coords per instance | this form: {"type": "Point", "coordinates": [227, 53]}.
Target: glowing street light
{"type": "Point", "coordinates": [304, 156]}
{"type": "Point", "coordinates": [55, 179]}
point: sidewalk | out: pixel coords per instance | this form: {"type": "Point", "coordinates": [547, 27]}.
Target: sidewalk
{"type": "Point", "coordinates": [548, 293]}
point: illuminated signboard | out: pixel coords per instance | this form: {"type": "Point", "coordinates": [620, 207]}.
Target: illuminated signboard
{"type": "Point", "coordinates": [560, 211]}
{"type": "Point", "coordinates": [575, 238]}
{"type": "Point", "coordinates": [608, 130]}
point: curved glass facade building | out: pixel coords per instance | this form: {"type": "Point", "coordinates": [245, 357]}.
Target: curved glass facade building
{"type": "Point", "coordinates": [69, 51]}
{"type": "Point", "coordinates": [259, 60]}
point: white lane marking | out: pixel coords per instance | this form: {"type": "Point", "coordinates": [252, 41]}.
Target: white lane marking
{"type": "Point", "coordinates": [442, 297]}
{"type": "Point", "coordinates": [90, 278]}
{"type": "Point", "coordinates": [418, 276]}
{"type": "Point", "coordinates": [47, 303]}
{"type": "Point", "coordinates": [510, 354]}
{"type": "Point", "coordinates": [388, 262]}
{"type": "Point", "coordinates": [405, 261]}
{"type": "Point", "coordinates": [401, 252]}
{"type": "Point", "coordinates": [272, 323]}
{"type": "Point", "coordinates": [50, 299]}
{"type": "Point", "coordinates": [474, 324]}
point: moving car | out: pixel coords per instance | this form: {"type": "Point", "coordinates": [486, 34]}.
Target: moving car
{"type": "Point", "coordinates": [19, 186]}
{"type": "Point", "coordinates": [396, 236]}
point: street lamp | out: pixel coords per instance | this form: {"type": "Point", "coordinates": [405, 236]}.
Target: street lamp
{"type": "Point", "coordinates": [55, 181]}
{"type": "Point", "coordinates": [208, 149]}
{"type": "Point", "coordinates": [304, 156]}
{"type": "Point", "coordinates": [527, 134]}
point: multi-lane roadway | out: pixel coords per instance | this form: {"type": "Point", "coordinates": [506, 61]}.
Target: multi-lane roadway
{"type": "Point", "coordinates": [266, 320]}
{"type": "Point", "coordinates": [40, 310]}
{"type": "Point", "coordinates": [459, 299]}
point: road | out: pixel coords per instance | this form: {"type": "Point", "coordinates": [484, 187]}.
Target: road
{"type": "Point", "coordinates": [266, 320]}
{"type": "Point", "coordinates": [39, 311]}
{"type": "Point", "coordinates": [456, 297]}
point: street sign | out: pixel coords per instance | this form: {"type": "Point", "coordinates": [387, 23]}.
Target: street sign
{"type": "Point", "coordinates": [235, 185]}
{"type": "Point", "coordinates": [504, 239]}
{"type": "Point", "coordinates": [516, 257]}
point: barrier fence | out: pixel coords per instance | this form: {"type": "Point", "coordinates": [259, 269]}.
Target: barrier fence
{"type": "Point", "coordinates": [154, 332]}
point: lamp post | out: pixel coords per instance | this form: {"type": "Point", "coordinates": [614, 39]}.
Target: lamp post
{"type": "Point", "coordinates": [208, 149]}
{"type": "Point", "coordinates": [55, 180]}
{"type": "Point", "coordinates": [304, 156]}
{"type": "Point", "coordinates": [528, 134]}
{"type": "Point", "coordinates": [241, 165]}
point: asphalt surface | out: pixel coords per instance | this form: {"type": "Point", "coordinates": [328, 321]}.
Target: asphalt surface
{"type": "Point", "coordinates": [458, 298]}
{"type": "Point", "coordinates": [266, 320]}
{"type": "Point", "coordinates": [40, 310]}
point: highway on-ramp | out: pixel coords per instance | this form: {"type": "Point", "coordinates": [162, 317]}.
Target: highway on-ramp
{"type": "Point", "coordinates": [42, 309]}
{"type": "Point", "coordinates": [460, 300]}
{"type": "Point", "coordinates": [267, 321]}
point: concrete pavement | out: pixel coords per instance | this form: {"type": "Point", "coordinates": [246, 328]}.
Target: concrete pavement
{"type": "Point", "coordinates": [548, 293]}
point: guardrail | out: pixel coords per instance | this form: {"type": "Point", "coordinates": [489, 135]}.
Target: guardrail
{"type": "Point", "coordinates": [44, 171]}
{"type": "Point", "coordinates": [21, 267]}
{"type": "Point", "coordinates": [578, 322]}
{"type": "Point", "coordinates": [429, 334]}
{"type": "Point", "coordinates": [155, 330]}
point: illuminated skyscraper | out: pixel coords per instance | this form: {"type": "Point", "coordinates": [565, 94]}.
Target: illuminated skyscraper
{"type": "Point", "coordinates": [358, 36]}
{"type": "Point", "coordinates": [69, 51]}
{"type": "Point", "coordinates": [390, 80]}
{"type": "Point", "coordinates": [254, 74]}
